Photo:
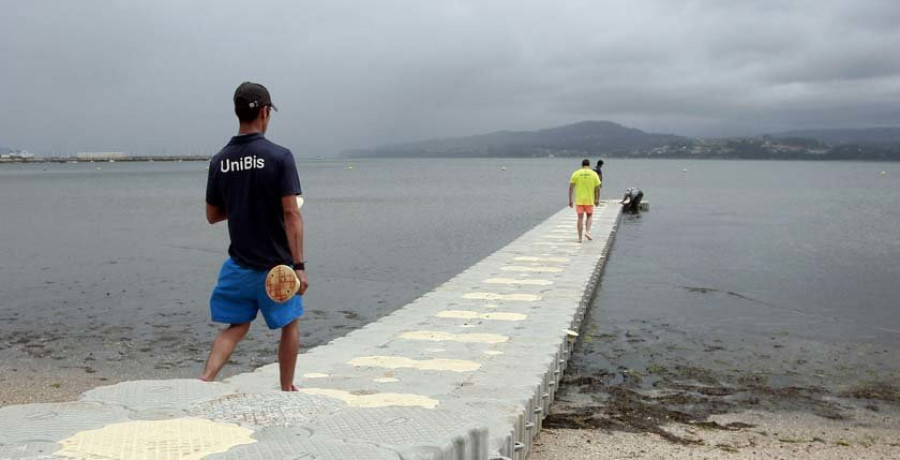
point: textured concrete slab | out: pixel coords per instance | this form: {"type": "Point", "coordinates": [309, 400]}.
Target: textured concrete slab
{"type": "Point", "coordinates": [55, 421]}
{"type": "Point", "coordinates": [491, 316]}
{"type": "Point", "coordinates": [416, 433]}
{"type": "Point", "coordinates": [398, 362]}
{"type": "Point", "coordinates": [267, 410]}
{"type": "Point", "coordinates": [30, 451]}
{"type": "Point", "coordinates": [374, 399]}
{"type": "Point", "coordinates": [157, 395]}
{"type": "Point", "coordinates": [440, 336]}
{"type": "Point", "coordinates": [467, 371]}
{"type": "Point", "coordinates": [299, 444]}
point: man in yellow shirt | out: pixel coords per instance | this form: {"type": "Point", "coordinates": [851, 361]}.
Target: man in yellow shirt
{"type": "Point", "coordinates": [586, 185]}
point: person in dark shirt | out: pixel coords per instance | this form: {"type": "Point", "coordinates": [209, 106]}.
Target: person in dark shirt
{"type": "Point", "coordinates": [631, 201]}
{"type": "Point", "coordinates": [599, 171]}
{"type": "Point", "coordinates": [253, 184]}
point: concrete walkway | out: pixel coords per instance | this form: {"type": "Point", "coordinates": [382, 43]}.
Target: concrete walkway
{"type": "Point", "coordinates": [467, 371]}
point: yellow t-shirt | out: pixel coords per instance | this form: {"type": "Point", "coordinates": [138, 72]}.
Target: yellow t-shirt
{"type": "Point", "coordinates": [585, 181]}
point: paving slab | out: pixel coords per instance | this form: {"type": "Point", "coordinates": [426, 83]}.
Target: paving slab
{"type": "Point", "coordinates": [415, 432]}
{"type": "Point", "coordinates": [299, 444]}
{"type": "Point", "coordinates": [267, 410]}
{"type": "Point", "coordinates": [158, 395]}
{"type": "Point", "coordinates": [54, 421]}
{"type": "Point", "coordinates": [467, 371]}
{"type": "Point", "coordinates": [29, 451]}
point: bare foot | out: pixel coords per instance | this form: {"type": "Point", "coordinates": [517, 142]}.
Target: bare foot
{"type": "Point", "coordinates": [588, 236]}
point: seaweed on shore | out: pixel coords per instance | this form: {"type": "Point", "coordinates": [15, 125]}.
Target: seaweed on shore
{"type": "Point", "coordinates": [629, 410]}
{"type": "Point", "coordinates": [879, 391]}
{"type": "Point", "coordinates": [656, 384]}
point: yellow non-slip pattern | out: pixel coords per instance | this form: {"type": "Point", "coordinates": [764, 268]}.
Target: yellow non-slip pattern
{"type": "Point", "coordinates": [183, 439]}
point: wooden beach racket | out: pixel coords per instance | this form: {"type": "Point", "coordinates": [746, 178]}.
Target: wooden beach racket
{"type": "Point", "coordinates": [281, 281]}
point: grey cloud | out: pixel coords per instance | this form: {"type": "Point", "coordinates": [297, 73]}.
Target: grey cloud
{"type": "Point", "coordinates": [153, 77]}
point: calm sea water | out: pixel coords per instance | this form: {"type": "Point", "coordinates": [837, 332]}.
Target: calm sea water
{"type": "Point", "coordinates": [778, 273]}
{"type": "Point", "coordinates": [811, 245]}
{"type": "Point", "coordinates": [115, 264]}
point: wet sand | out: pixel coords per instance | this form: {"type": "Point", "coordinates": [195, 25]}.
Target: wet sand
{"type": "Point", "coordinates": [865, 435]}
{"type": "Point", "coordinates": [659, 390]}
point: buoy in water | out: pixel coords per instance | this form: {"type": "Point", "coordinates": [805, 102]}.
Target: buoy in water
{"type": "Point", "coordinates": [349, 167]}
{"type": "Point", "coordinates": [503, 168]}
{"type": "Point", "coordinates": [883, 172]}
{"type": "Point", "coordinates": [684, 170]}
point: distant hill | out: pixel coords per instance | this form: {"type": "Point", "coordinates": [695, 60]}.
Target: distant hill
{"type": "Point", "coordinates": [834, 137]}
{"type": "Point", "coordinates": [586, 138]}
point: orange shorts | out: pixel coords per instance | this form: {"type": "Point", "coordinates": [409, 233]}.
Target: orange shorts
{"type": "Point", "coordinates": [584, 209]}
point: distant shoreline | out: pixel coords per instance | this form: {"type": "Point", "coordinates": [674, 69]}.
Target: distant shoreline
{"type": "Point", "coordinates": [147, 159]}
{"type": "Point", "coordinates": [618, 157]}
{"type": "Point", "coordinates": [607, 139]}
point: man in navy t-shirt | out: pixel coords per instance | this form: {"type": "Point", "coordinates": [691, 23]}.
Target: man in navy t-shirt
{"type": "Point", "coordinates": [253, 184]}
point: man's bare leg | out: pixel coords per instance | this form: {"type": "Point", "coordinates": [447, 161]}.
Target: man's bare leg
{"type": "Point", "coordinates": [222, 348]}
{"type": "Point", "coordinates": [287, 354]}
{"type": "Point", "coordinates": [580, 225]}
{"type": "Point", "coordinates": [587, 227]}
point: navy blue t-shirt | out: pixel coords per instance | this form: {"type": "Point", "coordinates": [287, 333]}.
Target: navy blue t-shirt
{"type": "Point", "coordinates": [247, 180]}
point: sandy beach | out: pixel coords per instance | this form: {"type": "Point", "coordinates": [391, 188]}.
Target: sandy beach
{"type": "Point", "coordinates": [863, 434]}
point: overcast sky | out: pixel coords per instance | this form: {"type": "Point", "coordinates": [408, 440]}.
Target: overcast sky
{"type": "Point", "coordinates": [158, 76]}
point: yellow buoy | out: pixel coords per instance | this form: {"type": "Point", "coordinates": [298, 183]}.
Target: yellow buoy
{"type": "Point", "coordinates": [883, 172]}
{"type": "Point", "coordinates": [349, 167]}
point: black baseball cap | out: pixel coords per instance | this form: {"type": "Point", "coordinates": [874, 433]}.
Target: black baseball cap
{"type": "Point", "coordinates": [251, 95]}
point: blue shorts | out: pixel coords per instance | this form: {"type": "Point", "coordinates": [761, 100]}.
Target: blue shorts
{"type": "Point", "coordinates": [241, 292]}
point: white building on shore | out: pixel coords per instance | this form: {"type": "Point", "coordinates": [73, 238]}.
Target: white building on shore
{"type": "Point", "coordinates": [17, 155]}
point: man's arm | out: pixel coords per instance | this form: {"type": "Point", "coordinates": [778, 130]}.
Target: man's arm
{"type": "Point", "coordinates": [293, 226]}
{"type": "Point", "coordinates": [597, 195]}
{"type": "Point", "coordinates": [215, 214]}
{"type": "Point", "coordinates": [215, 204]}
{"type": "Point", "coordinates": [571, 187]}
